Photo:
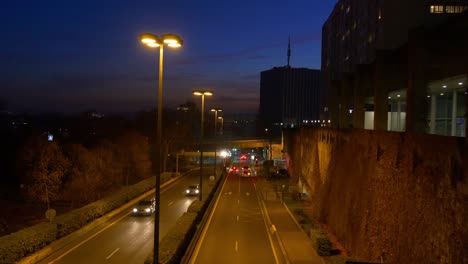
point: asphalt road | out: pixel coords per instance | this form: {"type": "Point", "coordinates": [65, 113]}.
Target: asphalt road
{"type": "Point", "coordinates": [126, 238]}
{"type": "Point", "coordinates": [236, 231]}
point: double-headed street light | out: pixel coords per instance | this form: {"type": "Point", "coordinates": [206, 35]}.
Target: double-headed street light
{"type": "Point", "coordinates": [202, 93]}
{"type": "Point", "coordinates": [153, 41]}
{"type": "Point", "coordinates": [216, 110]}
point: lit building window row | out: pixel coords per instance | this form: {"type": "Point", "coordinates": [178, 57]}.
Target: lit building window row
{"type": "Point", "coordinates": [315, 121]}
{"type": "Point", "coordinates": [455, 9]}
{"type": "Point", "coordinates": [439, 9]}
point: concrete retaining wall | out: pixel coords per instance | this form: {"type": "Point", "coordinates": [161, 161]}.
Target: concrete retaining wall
{"type": "Point", "coordinates": [398, 195]}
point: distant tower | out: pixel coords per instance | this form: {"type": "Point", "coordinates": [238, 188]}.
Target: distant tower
{"type": "Point", "coordinates": [289, 50]}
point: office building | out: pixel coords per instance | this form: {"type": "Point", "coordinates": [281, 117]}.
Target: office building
{"type": "Point", "coordinates": [396, 65]}
{"type": "Point", "coordinates": [288, 97]}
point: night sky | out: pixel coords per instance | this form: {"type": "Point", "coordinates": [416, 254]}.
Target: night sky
{"type": "Point", "coordinates": [73, 56]}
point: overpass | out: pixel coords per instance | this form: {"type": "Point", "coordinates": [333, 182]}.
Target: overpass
{"type": "Point", "coordinates": [240, 143]}
{"type": "Point", "coordinates": [219, 143]}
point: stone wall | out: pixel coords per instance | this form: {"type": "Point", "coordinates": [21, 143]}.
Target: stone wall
{"type": "Point", "coordinates": [398, 195]}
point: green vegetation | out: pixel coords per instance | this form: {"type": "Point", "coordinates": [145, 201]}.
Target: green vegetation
{"type": "Point", "coordinates": [176, 243]}
{"type": "Point", "coordinates": [322, 244]}
{"type": "Point", "coordinates": [29, 240]}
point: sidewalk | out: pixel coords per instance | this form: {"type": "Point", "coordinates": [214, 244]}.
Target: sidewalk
{"type": "Point", "coordinates": [298, 246]}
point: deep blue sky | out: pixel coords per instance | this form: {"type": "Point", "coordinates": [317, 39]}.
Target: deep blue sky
{"type": "Point", "coordinates": [74, 56]}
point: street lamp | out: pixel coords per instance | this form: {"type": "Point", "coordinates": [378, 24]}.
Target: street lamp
{"type": "Point", "coordinates": [153, 41]}
{"type": "Point", "coordinates": [202, 93]}
{"type": "Point", "coordinates": [269, 144]}
{"type": "Point", "coordinates": [215, 110]}
{"type": "Point", "coordinates": [222, 124]}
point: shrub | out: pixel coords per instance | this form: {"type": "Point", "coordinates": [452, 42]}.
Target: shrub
{"type": "Point", "coordinates": [304, 221]}
{"type": "Point", "coordinates": [299, 211]}
{"type": "Point", "coordinates": [323, 245]}
{"type": "Point", "coordinates": [19, 244]}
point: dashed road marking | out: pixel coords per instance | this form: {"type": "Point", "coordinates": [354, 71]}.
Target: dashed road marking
{"type": "Point", "coordinates": [111, 254]}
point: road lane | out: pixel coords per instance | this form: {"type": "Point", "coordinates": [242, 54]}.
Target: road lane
{"type": "Point", "coordinates": [236, 232]}
{"type": "Point", "coordinates": [126, 238]}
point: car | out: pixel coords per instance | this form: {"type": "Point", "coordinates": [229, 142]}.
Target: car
{"type": "Point", "coordinates": [246, 171]}
{"type": "Point", "coordinates": [234, 169]}
{"type": "Point", "coordinates": [144, 207]}
{"type": "Point", "coordinates": [193, 189]}
{"type": "Point", "coordinates": [280, 174]}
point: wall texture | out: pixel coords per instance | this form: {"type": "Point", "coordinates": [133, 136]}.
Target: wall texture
{"type": "Point", "coordinates": [398, 195]}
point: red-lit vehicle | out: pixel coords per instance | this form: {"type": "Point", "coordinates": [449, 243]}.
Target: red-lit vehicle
{"type": "Point", "coordinates": [246, 171]}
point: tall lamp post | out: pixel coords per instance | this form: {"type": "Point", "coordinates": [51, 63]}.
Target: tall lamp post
{"type": "Point", "coordinates": [222, 125]}
{"type": "Point", "coordinates": [215, 110]}
{"type": "Point", "coordinates": [202, 93]}
{"type": "Point", "coordinates": [269, 154]}
{"type": "Point", "coordinates": [153, 41]}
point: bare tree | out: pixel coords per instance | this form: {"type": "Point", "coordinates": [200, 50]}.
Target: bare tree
{"type": "Point", "coordinates": [83, 178]}
{"type": "Point", "coordinates": [108, 166]}
{"type": "Point", "coordinates": [44, 166]}
{"type": "Point", "coordinates": [134, 156]}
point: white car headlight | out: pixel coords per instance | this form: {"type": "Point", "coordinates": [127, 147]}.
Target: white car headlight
{"type": "Point", "coordinates": [187, 191]}
{"type": "Point", "coordinates": [197, 191]}
{"type": "Point", "coordinates": [147, 210]}
{"type": "Point", "coordinates": [135, 210]}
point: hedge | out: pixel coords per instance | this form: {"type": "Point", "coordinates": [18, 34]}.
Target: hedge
{"type": "Point", "coordinates": [174, 244]}
{"type": "Point", "coordinates": [19, 244]}
{"type": "Point", "coordinates": [29, 240]}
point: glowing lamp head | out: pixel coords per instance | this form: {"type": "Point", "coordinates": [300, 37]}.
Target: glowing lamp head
{"type": "Point", "coordinates": [205, 92]}
{"type": "Point", "coordinates": [148, 38]}
{"type": "Point", "coordinates": [172, 40]}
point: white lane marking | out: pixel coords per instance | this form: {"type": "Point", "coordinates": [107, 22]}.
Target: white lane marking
{"type": "Point", "coordinates": [273, 229]}
{"type": "Point", "coordinates": [169, 185]}
{"type": "Point", "coordinates": [170, 203]}
{"type": "Point", "coordinates": [237, 246]}
{"type": "Point", "coordinates": [266, 221]}
{"type": "Point", "coordinates": [86, 240]}
{"type": "Point", "coordinates": [115, 251]}
{"type": "Point", "coordinates": [237, 218]}
{"type": "Point", "coordinates": [238, 201]}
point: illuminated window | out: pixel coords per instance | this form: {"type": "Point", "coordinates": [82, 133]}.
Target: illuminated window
{"type": "Point", "coordinates": [455, 9]}
{"type": "Point", "coordinates": [437, 9]}
{"type": "Point", "coordinates": [348, 9]}
{"type": "Point", "coordinates": [380, 14]}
